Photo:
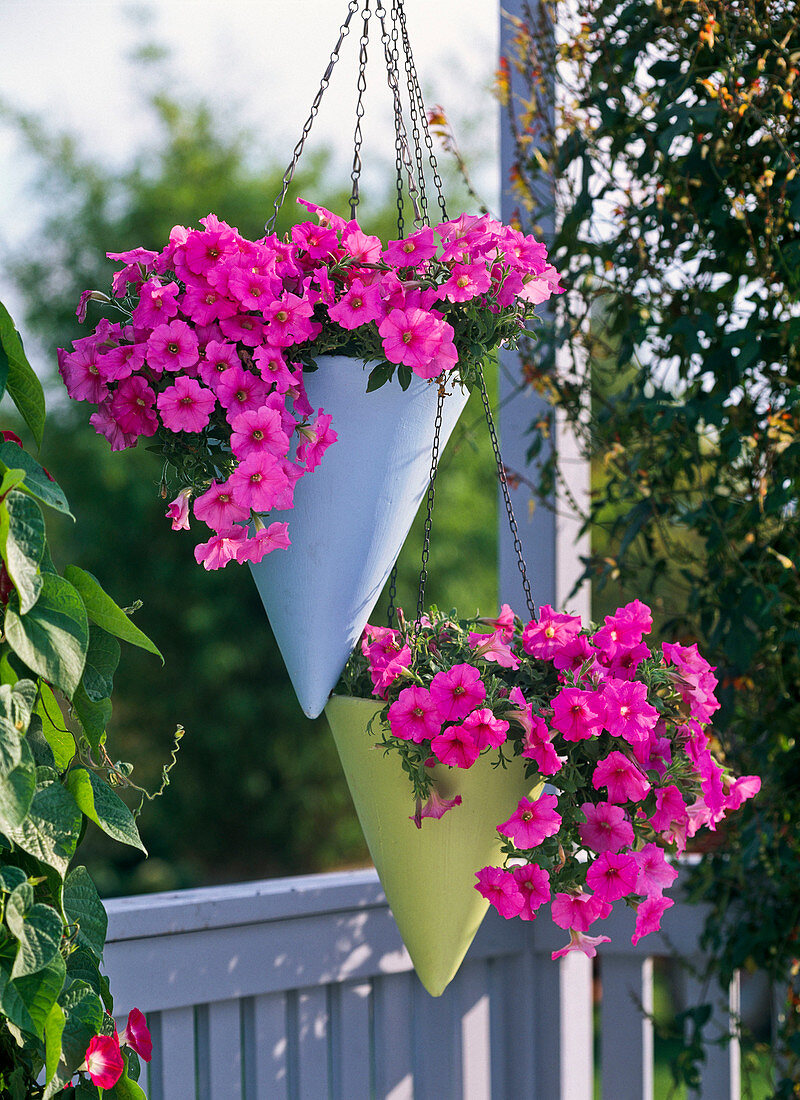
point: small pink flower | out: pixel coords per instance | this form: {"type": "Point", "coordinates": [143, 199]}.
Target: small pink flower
{"type": "Point", "coordinates": [531, 822]}
{"type": "Point", "coordinates": [104, 1062]}
{"type": "Point", "coordinates": [612, 876]}
{"type": "Point", "coordinates": [205, 303]}
{"type": "Point", "coordinates": [457, 692]}
{"type": "Point", "coordinates": [315, 441]}
{"type": "Point", "coordinates": [263, 542]}
{"type": "Point", "coordinates": [172, 347]}
{"type": "Point", "coordinates": [414, 715]}
{"type": "Point", "coordinates": [466, 282]}
{"type": "Point", "coordinates": [104, 424]}
{"type": "Point", "coordinates": [435, 807]}
{"type": "Point", "coordinates": [220, 356]}
{"type": "Point", "coordinates": [503, 622]}
{"type": "Point", "coordinates": [493, 647]}
{"type": "Point", "coordinates": [257, 482]}
{"type": "Point", "coordinates": [669, 807]}
{"type": "Point", "coordinates": [289, 321]}
{"type": "Point", "coordinates": [485, 729]}
{"type": "Point", "coordinates": [544, 638]}
{"type": "Point", "coordinates": [187, 406]}
{"type": "Point", "coordinates": [456, 747]}
{"type": "Point", "coordinates": [240, 391]}
{"type": "Point", "coordinates": [157, 304]}
{"type": "Point", "coordinates": [578, 911]}
{"type": "Point", "coordinates": [534, 883]}
{"type": "Point", "coordinates": [358, 305]}
{"type": "Point", "coordinates": [655, 874]}
{"type": "Point", "coordinates": [648, 916]}
{"type": "Point", "coordinates": [178, 511]}
{"type": "Point", "coordinates": [80, 371]}
{"type": "Point", "coordinates": [626, 712]}
{"type": "Point", "coordinates": [501, 889]}
{"type": "Point", "coordinates": [621, 778]}
{"type": "Point", "coordinates": [258, 430]}
{"type": "Point", "coordinates": [412, 250]}
{"type": "Point", "coordinates": [132, 407]}
{"type": "Point", "coordinates": [137, 1035]}
{"type": "Point", "coordinates": [218, 508]}
{"type": "Point", "coordinates": [410, 336]}
{"type": "Point", "coordinates": [221, 549]}
{"type": "Point", "coordinates": [579, 941]}
{"type": "Point", "coordinates": [606, 828]}
{"type": "Point", "coordinates": [577, 714]}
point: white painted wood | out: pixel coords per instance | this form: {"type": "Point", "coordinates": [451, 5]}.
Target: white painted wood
{"type": "Point", "coordinates": [350, 1039]}
{"type": "Point", "coordinates": [225, 1049]}
{"type": "Point", "coordinates": [313, 1029]}
{"type": "Point", "coordinates": [475, 1014]}
{"type": "Point", "coordinates": [393, 1064]}
{"type": "Point", "coordinates": [173, 1066]}
{"type": "Point", "coordinates": [350, 519]}
{"type": "Point", "coordinates": [626, 1031]}
{"type": "Point", "coordinates": [721, 1071]}
{"type": "Point", "coordinates": [266, 1048]}
{"type": "Point", "coordinates": [437, 1044]}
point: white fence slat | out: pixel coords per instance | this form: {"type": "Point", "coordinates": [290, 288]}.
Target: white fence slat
{"type": "Point", "coordinates": [475, 1013]}
{"type": "Point", "coordinates": [266, 1043]}
{"type": "Point", "coordinates": [437, 1044]}
{"type": "Point", "coordinates": [225, 1049]}
{"type": "Point", "coordinates": [173, 1065]}
{"type": "Point", "coordinates": [721, 1069]}
{"type": "Point", "coordinates": [313, 1028]}
{"type": "Point", "coordinates": [350, 1039]}
{"type": "Point", "coordinates": [392, 1037]}
{"type": "Point", "coordinates": [626, 1025]}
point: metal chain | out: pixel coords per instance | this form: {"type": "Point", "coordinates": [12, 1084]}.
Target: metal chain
{"type": "Point", "coordinates": [401, 139]}
{"type": "Point", "coordinates": [501, 474]}
{"type": "Point", "coordinates": [390, 52]}
{"type": "Point", "coordinates": [426, 538]}
{"type": "Point", "coordinates": [437, 179]}
{"type": "Point", "coordinates": [392, 596]}
{"type": "Point", "coordinates": [344, 30]}
{"type": "Point", "coordinates": [398, 19]}
{"type": "Point", "coordinates": [362, 86]}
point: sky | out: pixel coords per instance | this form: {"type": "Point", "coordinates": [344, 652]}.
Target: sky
{"type": "Point", "coordinates": [261, 60]}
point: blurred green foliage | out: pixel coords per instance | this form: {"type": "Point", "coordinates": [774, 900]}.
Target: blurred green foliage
{"type": "Point", "coordinates": [258, 790]}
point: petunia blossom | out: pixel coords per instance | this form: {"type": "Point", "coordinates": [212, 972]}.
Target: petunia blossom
{"type": "Point", "coordinates": [456, 747]}
{"type": "Point", "coordinates": [534, 884]}
{"type": "Point", "coordinates": [612, 875]}
{"type": "Point", "coordinates": [621, 778]}
{"type": "Point", "coordinates": [532, 821]}
{"type": "Point", "coordinates": [414, 715]}
{"type": "Point", "coordinates": [606, 828]}
{"type": "Point", "coordinates": [648, 916]}
{"type": "Point", "coordinates": [457, 691]}
{"type": "Point", "coordinates": [186, 406]}
{"type": "Point", "coordinates": [502, 891]}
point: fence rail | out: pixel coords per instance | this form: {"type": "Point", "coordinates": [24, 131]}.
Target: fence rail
{"type": "Point", "coordinates": [301, 989]}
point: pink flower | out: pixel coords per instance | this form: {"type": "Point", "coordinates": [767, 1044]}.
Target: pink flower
{"type": "Point", "coordinates": [80, 371]}
{"type": "Point", "coordinates": [243, 327]}
{"type": "Point", "coordinates": [384, 673]}
{"type": "Point", "coordinates": [503, 622]}
{"type": "Point", "coordinates": [613, 875]}
{"type": "Point", "coordinates": [414, 715]}
{"type": "Point", "coordinates": [263, 542]}
{"type": "Point", "coordinates": [178, 511]}
{"type": "Point", "coordinates": [219, 358]}
{"type": "Point", "coordinates": [531, 822]}
{"type": "Point", "coordinates": [187, 406]}
{"type": "Point", "coordinates": [621, 778]}
{"type": "Point", "coordinates": [122, 361]}
{"type": "Point", "coordinates": [578, 911]}
{"type": "Point", "coordinates": [534, 884]}
{"type": "Point", "coordinates": [655, 874]}
{"type": "Point", "coordinates": [485, 729]}
{"type": "Point", "coordinates": [251, 289]}
{"type": "Point", "coordinates": [493, 647]}
{"type": "Point", "coordinates": [623, 630]}
{"type": "Point", "coordinates": [360, 245]}
{"type": "Point", "coordinates": [626, 712]}
{"type": "Point", "coordinates": [258, 430]}
{"type": "Point", "coordinates": [501, 889]}
{"type": "Point", "coordinates": [132, 407]}
{"type": "Point", "coordinates": [466, 282]}
{"type": "Point", "coordinates": [315, 441]}
{"type": "Point", "coordinates": [574, 655]}
{"type": "Point", "coordinates": [157, 304]}
{"type": "Point", "coordinates": [358, 305]}
{"type": "Point", "coordinates": [219, 550]}
{"type": "Point", "coordinates": [648, 916]}
{"type": "Point", "coordinates": [606, 828]}
{"type": "Point", "coordinates": [273, 368]}
{"type": "Point", "coordinates": [436, 807]}
{"type": "Point", "coordinates": [172, 347]}
{"type": "Point", "coordinates": [412, 250]}
{"type": "Point", "coordinates": [137, 1035]}
{"type": "Point", "coordinates": [669, 807]}
{"type": "Point", "coordinates": [104, 1062]}
{"type": "Point", "coordinates": [457, 691]}
{"type": "Point", "coordinates": [257, 482]}
{"type": "Point", "coordinates": [104, 424]}
{"type": "Point", "coordinates": [695, 679]}
{"type": "Point", "coordinates": [205, 303]}
{"type": "Point", "coordinates": [580, 942]}
{"type": "Point", "coordinates": [205, 250]}
{"type": "Point", "coordinates": [544, 638]}
{"type": "Point", "coordinates": [577, 714]}
{"type": "Point", "coordinates": [240, 391]}
{"type": "Point", "coordinates": [411, 337]}
{"type": "Point", "coordinates": [218, 508]}
{"type": "Point", "coordinates": [456, 747]}
{"type": "Point", "coordinates": [288, 321]}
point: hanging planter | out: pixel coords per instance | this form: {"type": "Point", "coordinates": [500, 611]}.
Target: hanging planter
{"type": "Point", "coordinates": [349, 520]}
{"type": "Point", "coordinates": [618, 734]}
{"type": "Point", "coordinates": [427, 873]}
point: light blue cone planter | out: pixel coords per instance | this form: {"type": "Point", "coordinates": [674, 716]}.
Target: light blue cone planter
{"type": "Point", "coordinates": [350, 519]}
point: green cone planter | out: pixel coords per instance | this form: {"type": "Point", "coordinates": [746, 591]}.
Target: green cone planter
{"type": "Point", "coordinates": [428, 874]}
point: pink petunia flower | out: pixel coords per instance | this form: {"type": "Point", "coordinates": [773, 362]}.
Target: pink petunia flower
{"type": "Point", "coordinates": [218, 508]}
{"type": "Point", "coordinates": [501, 890]}
{"type": "Point", "coordinates": [157, 304]}
{"type": "Point", "coordinates": [258, 481]}
{"type": "Point", "coordinates": [205, 303]}
{"type": "Point", "coordinates": [485, 729]}
{"type": "Point", "coordinates": [613, 875]}
{"type": "Point", "coordinates": [220, 549]}
{"type": "Point", "coordinates": [457, 691]}
{"type": "Point", "coordinates": [648, 916]}
{"type": "Point", "coordinates": [456, 747]}
{"type": "Point", "coordinates": [577, 714]}
{"type": "Point", "coordinates": [316, 438]}
{"type": "Point", "coordinates": [178, 510]}
{"type": "Point", "coordinates": [579, 910]}
{"type": "Point", "coordinates": [655, 873]}
{"type": "Point", "coordinates": [504, 622]}
{"type": "Point", "coordinates": [258, 430]}
{"type": "Point", "coordinates": [579, 941]}
{"type": "Point", "coordinates": [172, 347]}
{"type": "Point", "coordinates": [137, 1035]}
{"type": "Point", "coordinates": [435, 807]}
{"type": "Point", "coordinates": [621, 778]}
{"type": "Point", "coordinates": [357, 306]}
{"type": "Point", "coordinates": [534, 884]}
{"type": "Point", "coordinates": [466, 282]}
{"type": "Point", "coordinates": [414, 715]}
{"type": "Point", "coordinates": [544, 637]}
{"type": "Point", "coordinates": [240, 391]}
{"type": "Point", "coordinates": [626, 712]}
{"type": "Point", "coordinates": [411, 337]}
{"type": "Point", "coordinates": [263, 541]}
{"type": "Point", "coordinates": [531, 822]}
{"type": "Point", "coordinates": [219, 357]}
{"type": "Point", "coordinates": [243, 327]}
{"type": "Point", "coordinates": [104, 424]}
{"type": "Point", "coordinates": [122, 361]}
{"type": "Point", "coordinates": [187, 406]}
{"type": "Point", "coordinates": [669, 807]}
{"type": "Point", "coordinates": [411, 250]}
{"type": "Point", "coordinates": [104, 1062]}
{"type": "Point", "coordinates": [493, 647]}
{"type": "Point", "coordinates": [606, 828]}
{"type": "Point", "coordinates": [80, 371]}
{"type": "Point", "coordinates": [132, 407]}
{"type": "Point", "coordinates": [289, 321]}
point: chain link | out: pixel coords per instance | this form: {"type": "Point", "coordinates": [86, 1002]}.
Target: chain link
{"type": "Point", "coordinates": [426, 538]}
{"type": "Point", "coordinates": [401, 139]}
{"type": "Point", "coordinates": [390, 53]}
{"type": "Point", "coordinates": [362, 87]}
{"type": "Point", "coordinates": [398, 19]}
{"type": "Point", "coordinates": [501, 474]}
{"type": "Point", "coordinates": [392, 596]}
{"type": "Point", "coordinates": [288, 175]}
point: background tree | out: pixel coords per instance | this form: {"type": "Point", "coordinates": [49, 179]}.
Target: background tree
{"type": "Point", "coordinates": [674, 141]}
{"type": "Point", "coordinates": [261, 790]}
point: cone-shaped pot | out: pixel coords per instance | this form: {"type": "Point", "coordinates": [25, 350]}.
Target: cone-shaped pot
{"type": "Point", "coordinates": [350, 519]}
{"type": "Point", "coordinates": [428, 874]}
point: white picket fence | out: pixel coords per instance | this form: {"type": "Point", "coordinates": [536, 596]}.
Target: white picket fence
{"type": "Point", "coordinates": [301, 989]}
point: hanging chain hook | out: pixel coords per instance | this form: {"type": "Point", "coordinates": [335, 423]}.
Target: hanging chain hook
{"type": "Point", "coordinates": [355, 175]}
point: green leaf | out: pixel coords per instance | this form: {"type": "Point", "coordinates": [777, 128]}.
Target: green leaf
{"type": "Point", "coordinates": [36, 482]}
{"type": "Point", "coordinates": [83, 1010]}
{"type": "Point", "coordinates": [102, 659]}
{"type": "Point", "coordinates": [11, 479]}
{"type": "Point", "coordinates": [12, 1005]}
{"type": "Point", "coordinates": [93, 717]}
{"type": "Point", "coordinates": [103, 611]}
{"type": "Point", "coordinates": [83, 906]}
{"type": "Point", "coordinates": [38, 928]}
{"type": "Point", "coordinates": [126, 1089]}
{"type": "Point", "coordinates": [31, 997]}
{"type": "Point", "coordinates": [379, 376]}
{"type": "Point", "coordinates": [3, 370]}
{"type": "Point", "coordinates": [10, 878]}
{"type": "Point", "coordinates": [22, 539]}
{"type": "Point", "coordinates": [53, 1030]}
{"type": "Point", "coordinates": [50, 831]}
{"type": "Point", "coordinates": [24, 388]}
{"type": "Point", "coordinates": [104, 807]}
{"type": "Point", "coordinates": [53, 637]}
{"type": "Point", "coordinates": [83, 965]}
{"type": "Point", "coordinates": [57, 735]}
{"type": "Point", "coordinates": [17, 788]}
